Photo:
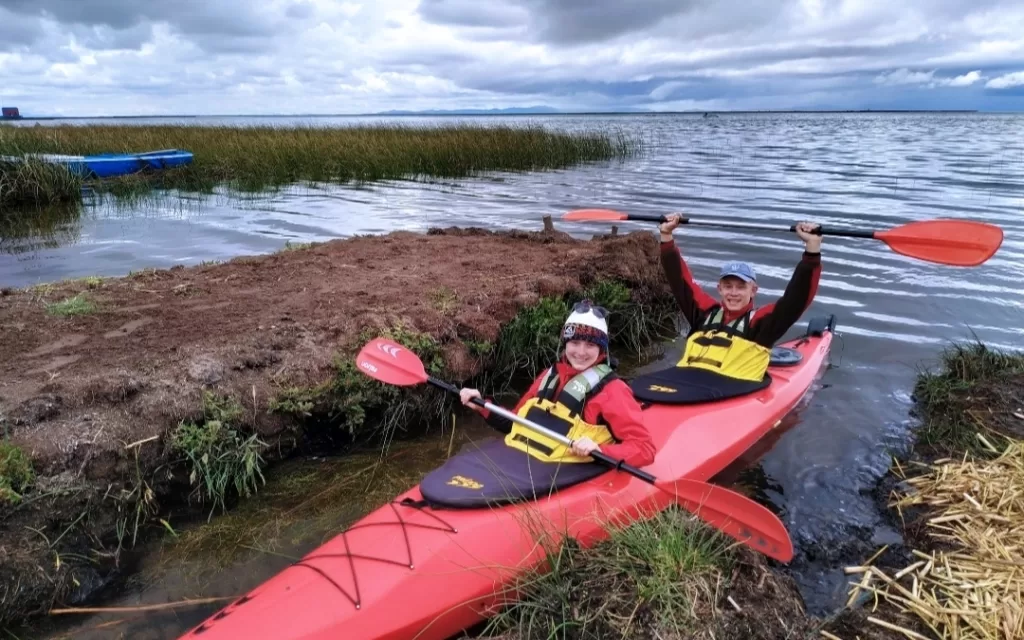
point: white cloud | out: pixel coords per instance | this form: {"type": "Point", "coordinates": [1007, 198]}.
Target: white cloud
{"type": "Point", "coordinates": [965, 80]}
{"type": "Point", "coordinates": [329, 56]}
{"type": "Point", "coordinates": [927, 78]}
{"type": "Point", "coordinates": [905, 76]}
{"type": "Point", "coordinates": [1015, 79]}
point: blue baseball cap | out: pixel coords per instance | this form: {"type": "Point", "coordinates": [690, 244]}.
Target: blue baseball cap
{"type": "Point", "coordinates": [741, 270]}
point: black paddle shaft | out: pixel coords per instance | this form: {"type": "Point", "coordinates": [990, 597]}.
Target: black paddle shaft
{"type": "Point", "coordinates": [597, 455]}
{"type": "Point", "coordinates": [743, 225]}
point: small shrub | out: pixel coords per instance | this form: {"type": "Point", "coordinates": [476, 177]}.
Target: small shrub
{"type": "Point", "coordinates": [16, 473]}
{"type": "Point", "coordinates": [75, 306]}
{"type": "Point", "coordinates": [221, 458]}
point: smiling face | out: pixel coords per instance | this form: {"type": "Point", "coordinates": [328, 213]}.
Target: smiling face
{"type": "Point", "coordinates": [581, 354]}
{"type": "Point", "coordinates": [736, 293]}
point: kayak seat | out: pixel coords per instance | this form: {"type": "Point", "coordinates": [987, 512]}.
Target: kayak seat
{"type": "Point", "coordinates": [491, 473]}
{"type": "Point", "coordinates": [689, 385]}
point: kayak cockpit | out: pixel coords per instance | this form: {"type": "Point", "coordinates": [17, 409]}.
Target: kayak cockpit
{"type": "Point", "coordinates": [492, 473]}
{"type": "Point", "coordinates": [689, 385]}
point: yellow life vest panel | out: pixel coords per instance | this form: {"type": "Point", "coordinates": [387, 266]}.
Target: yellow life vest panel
{"type": "Point", "coordinates": [563, 415]}
{"type": "Point", "coordinates": [723, 348]}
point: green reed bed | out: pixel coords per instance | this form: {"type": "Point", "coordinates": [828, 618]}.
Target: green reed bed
{"type": "Point", "coordinates": [35, 183]}
{"type": "Point", "coordinates": [253, 159]}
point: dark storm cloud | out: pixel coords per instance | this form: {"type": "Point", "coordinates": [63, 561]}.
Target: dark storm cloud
{"type": "Point", "coordinates": [105, 37]}
{"type": "Point", "coordinates": [17, 31]}
{"type": "Point", "coordinates": [215, 56]}
{"type": "Point", "coordinates": [560, 21]}
{"type": "Point", "coordinates": [472, 13]}
{"type": "Point", "coordinates": [229, 17]}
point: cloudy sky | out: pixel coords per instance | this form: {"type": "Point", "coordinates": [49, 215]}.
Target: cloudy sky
{"type": "Point", "coordinates": [137, 57]}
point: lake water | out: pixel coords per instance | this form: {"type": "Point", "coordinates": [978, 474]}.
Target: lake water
{"type": "Point", "coordinates": [875, 171]}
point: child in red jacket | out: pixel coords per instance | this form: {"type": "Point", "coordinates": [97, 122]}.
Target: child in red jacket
{"type": "Point", "coordinates": [580, 397]}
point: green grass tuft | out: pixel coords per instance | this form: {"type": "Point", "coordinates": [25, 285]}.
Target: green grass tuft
{"type": "Point", "coordinates": [530, 341]}
{"type": "Point", "coordinates": [975, 391]}
{"type": "Point", "coordinates": [349, 400]}
{"type": "Point", "coordinates": [296, 246]}
{"type": "Point", "coordinates": [221, 458]}
{"type": "Point", "coordinates": [16, 473]}
{"type": "Point", "coordinates": [33, 183]}
{"type": "Point", "coordinates": [662, 574]}
{"type": "Point", "coordinates": [75, 306]}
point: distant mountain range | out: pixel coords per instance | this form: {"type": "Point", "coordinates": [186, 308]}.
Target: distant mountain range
{"type": "Point", "coordinates": [544, 109]}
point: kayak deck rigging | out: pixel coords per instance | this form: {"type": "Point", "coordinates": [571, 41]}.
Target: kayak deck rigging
{"type": "Point", "coordinates": [352, 557]}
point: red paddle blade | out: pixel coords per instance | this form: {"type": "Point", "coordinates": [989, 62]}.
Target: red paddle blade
{"type": "Point", "coordinates": [735, 515]}
{"type": "Point", "coordinates": [594, 215]}
{"type": "Point", "coordinates": [390, 362]}
{"type": "Point", "coordinates": [961, 243]}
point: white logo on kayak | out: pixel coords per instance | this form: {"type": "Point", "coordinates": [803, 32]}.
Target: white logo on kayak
{"type": "Point", "coordinates": [389, 349]}
{"type": "Point", "coordinates": [369, 367]}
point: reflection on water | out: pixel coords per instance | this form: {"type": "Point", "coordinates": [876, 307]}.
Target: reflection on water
{"type": "Point", "coordinates": [852, 171]}
{"type": "Point", "coordinates": [40, 229]}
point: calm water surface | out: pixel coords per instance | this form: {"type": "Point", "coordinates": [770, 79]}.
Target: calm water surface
{"type": "Point", "coordinates": [858, 170]}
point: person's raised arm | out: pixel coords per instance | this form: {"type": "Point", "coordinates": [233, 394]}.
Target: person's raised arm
{"type": "Point", "coordinates": [693, 301]}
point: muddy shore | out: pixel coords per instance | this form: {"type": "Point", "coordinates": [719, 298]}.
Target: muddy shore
{"type": "Point", "coordinates": [114, 389]}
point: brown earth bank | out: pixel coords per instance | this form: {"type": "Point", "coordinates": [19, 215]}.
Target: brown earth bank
{"type": "Point", "coordinates": [132, 396]}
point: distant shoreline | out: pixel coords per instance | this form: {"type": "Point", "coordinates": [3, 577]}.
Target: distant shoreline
{"type": "Point", "coordinates": [500, 113]}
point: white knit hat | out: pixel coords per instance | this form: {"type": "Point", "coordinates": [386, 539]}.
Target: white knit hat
{"type": "Point", "coordinates": [585, 323]}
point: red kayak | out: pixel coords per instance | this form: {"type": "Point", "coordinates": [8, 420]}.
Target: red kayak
{"type": "Point", "coordinates": [426, 567]}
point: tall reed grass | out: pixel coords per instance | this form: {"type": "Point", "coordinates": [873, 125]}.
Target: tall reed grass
{"type": "Point", "coordinates": [36, 183]}
{"type": "Point", "coordinates": [257, 158]}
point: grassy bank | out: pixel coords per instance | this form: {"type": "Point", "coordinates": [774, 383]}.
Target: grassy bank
{"type": "Point", "coordinates": [669, 576]}
{"type": "Point", "coordinates": [959, 502]}
{"type": "Point", "coordinates": [253, 159]}
{"type": "Point", "coordinates": [351, 406]}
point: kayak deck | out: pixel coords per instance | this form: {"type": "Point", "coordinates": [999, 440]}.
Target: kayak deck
{"type": "Point", "coordinates": [408, 570]}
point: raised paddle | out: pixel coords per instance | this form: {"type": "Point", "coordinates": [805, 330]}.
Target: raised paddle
{"type": "Point", "coordinates": [733, 514]}
{"type": "Point", "coordinates": [960, 243]}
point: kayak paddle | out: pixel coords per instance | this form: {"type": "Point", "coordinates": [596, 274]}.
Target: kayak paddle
{"type": "Point", "coordinates": [961, 243]}
{"type": "Point", "coordinates": [735, 515]}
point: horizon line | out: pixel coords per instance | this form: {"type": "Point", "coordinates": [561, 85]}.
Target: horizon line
{"type": "Point", "coordinates": [497, 111]}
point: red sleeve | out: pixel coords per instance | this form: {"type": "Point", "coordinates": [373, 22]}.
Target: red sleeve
{"type": "Point", "coordinates": [771, 322]}
{"type": "Point", "coordinates": [615, 403]}
{"type": "Point", "coordinates": [693, 301]}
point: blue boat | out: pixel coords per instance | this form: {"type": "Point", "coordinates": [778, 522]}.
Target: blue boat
{"type": "Point", "coordinates": [109, 165]}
